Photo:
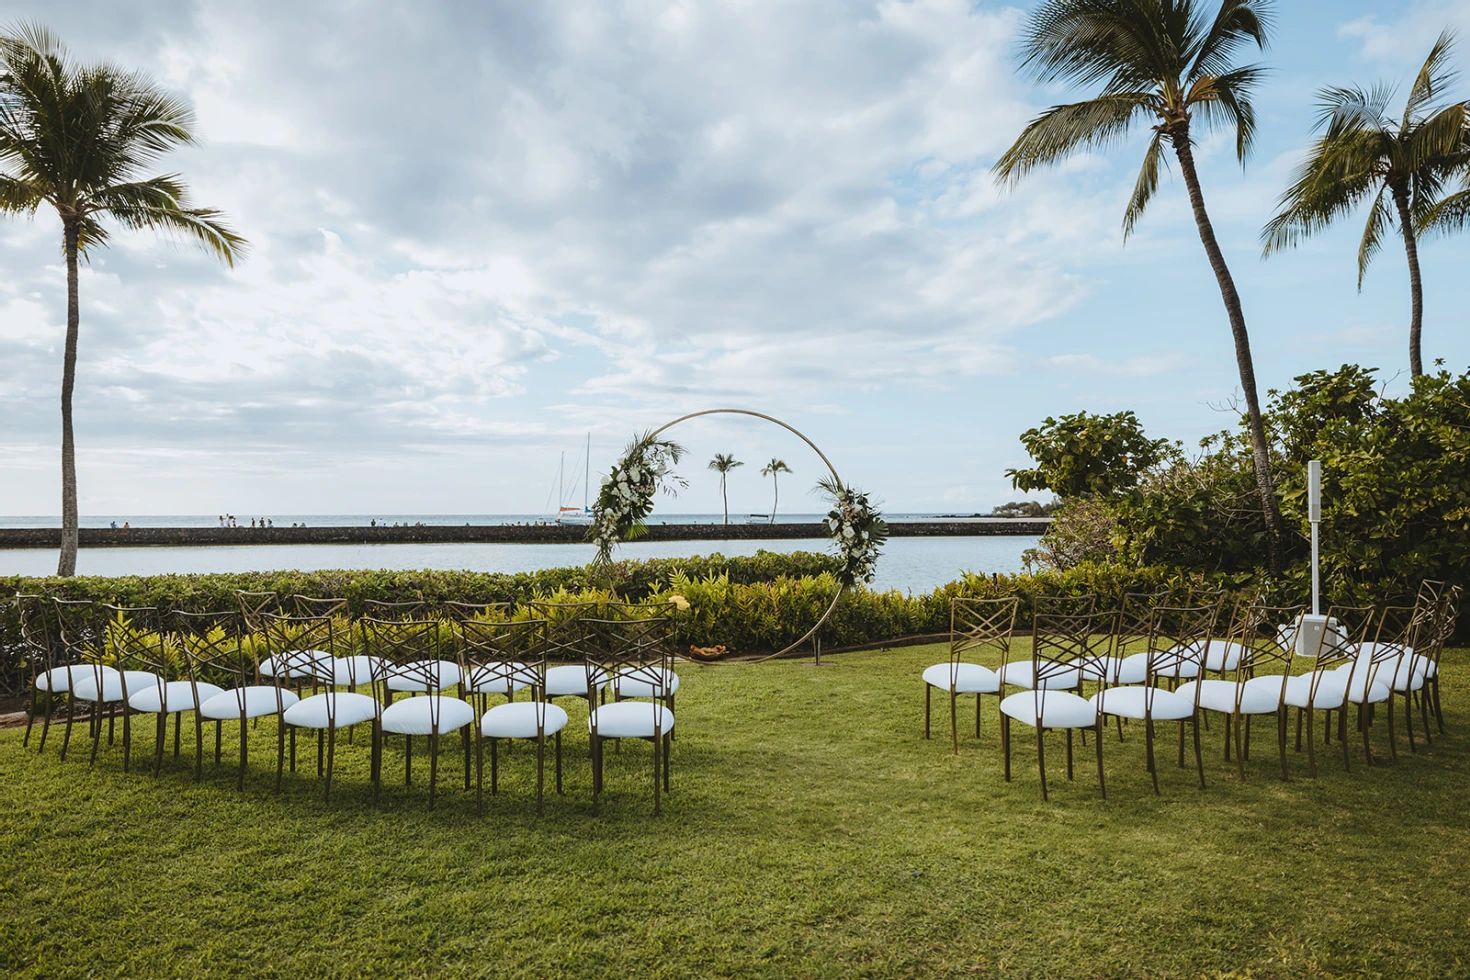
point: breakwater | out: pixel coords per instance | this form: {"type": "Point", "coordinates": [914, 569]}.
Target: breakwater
{"type": "Point", "coordinates": [139, 537]}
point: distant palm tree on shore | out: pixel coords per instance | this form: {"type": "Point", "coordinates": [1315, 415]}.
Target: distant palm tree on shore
{"type": "Point", "coordinates": [772, 470]}
{"type": "Point", "coordinates": [1166, 62]}
{"type": "Point", "coordinates": [723, 464]}
{"type": "Point", "coordinates": [76, 138]}
{"type": "Point", "coordinates": [1363, 153]}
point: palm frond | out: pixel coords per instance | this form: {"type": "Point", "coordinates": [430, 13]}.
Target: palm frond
{"type": "Point", "coordinates": [1434, 77]}
{"type": "Point", "coordinates": [18, 196]}
{"type": "Point", "coordinates": [1337, 175]}
{"type": "Point", "coordinates": [1380, 218]}
{"type": "Point", "coordinates": [1352, 108]}
{"type": "Point", "coordinates": [159, 205]}
{"type": "Point", "coordinates": [1063, 130]}
{"type": "Point", "coordinates": [1224, 101]}
{"type": "Point", "coordinates": [1436, 142]}
{"type": "Point", "coordinates": [1449, 214]}
{"type": "Point", "coordinates": [1145, 185]}
{"type": "Point", "coordinates": [1237, 22]}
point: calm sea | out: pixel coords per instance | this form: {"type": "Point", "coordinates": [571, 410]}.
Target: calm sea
{"type": "Point", "coordinates": [908, 564]}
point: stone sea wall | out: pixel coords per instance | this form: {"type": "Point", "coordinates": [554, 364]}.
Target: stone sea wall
{"type": "Point", "coordinates": [92, 537]}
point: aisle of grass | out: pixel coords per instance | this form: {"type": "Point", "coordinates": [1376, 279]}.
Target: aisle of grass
{"type": "Point", "coordinates": [812, 832]}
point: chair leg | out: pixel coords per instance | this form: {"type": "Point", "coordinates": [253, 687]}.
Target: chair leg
{"type": "Point", "coordinates": [176, 734]}
{"type": "Point", "coordinates": [1281, 739]}
{"type": "Point", "coordinates": [464, 737]}
{"type": "Point", "coordinates": [1229, 722]}
{"type": "Point", "coordinates": [1005, 743]}
{"type": "Point", "coordinates": [162, 733]}
{"type": "Point", "coordinates": [331, 758]}
{"type": "Point", "coordinates": [218, 738]}
{"type": "Point", "coordinates": [1363, 727]}
{"type": "Point", "coordinates": [954, 725]}
{"type": "Point", "coordinates": [1393, 739]}
{"type": "Point", "coordinates": [494, 766]}
{"type": "Point", "coordinates": [479, 774]}
{"type": "Point", "coordinates": [928, 711]}
{"type": "Point", "coordinates": [1423, 714]}
{"type": "Point", "coordinates": [407, 760]}
{"type": "Point", "coordinates": [244, 749]}
{"type": "Point", "coordinates": [558, 763]}
{"type": "Point", "coordinates": [1199, 759]}
{"type": "Point", "coordinates": [596, 773]}
{"type": "Point", "coordinates": [46, 721]}
{"type": "Point", "coordinates": [1242, 742]}
{"type": "Point", "coordinates": [657, 776]}
{"type": "Point", "coordinates": [1311, 744]}
{"type": "Point", "coordinates": [66, 737]}
{"type": "Point", "coordinates": [978, 697]}
{"type": "Point", "coordinates": [1342, 737]}
{"type": "Point", "coordinates": [1148, 741]}
{"type": "Point", "coordinates": [668, 743]}
{"type": "Point", "coordinates": [433, 764]}
{"type": "Point", "coordinates": [1438, 711]}
{"type": "Point", "coordinates": [1101, 784]}
{"type": "Point", "coordinates": [25, 743]}
{"type": "Point", "coordinates": [280, 751]}
{"type": "Point", "coordinates": [1069, 753]}
{"type": "Point", "coordinates": [1041, 759]}
{"type": "Point", "coordinates": [540, 772]}
{"type": "Point", "coordinates": [1299, 712]}
{"type": "Point", "coordinates": [293, 749]}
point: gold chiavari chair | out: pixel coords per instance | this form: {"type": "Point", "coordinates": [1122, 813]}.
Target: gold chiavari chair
{"type": "Point", "coordinates": [976, 626]}
{"type": "Point", "coordinates": [638, 650]}
{"type": "Point", "coordinates": [512, 651]}
{"type": "Point", "coordinates": [1062, 645]}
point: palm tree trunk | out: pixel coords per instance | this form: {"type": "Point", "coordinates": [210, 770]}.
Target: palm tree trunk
{"type": "Point", "coordinates": [1416, 288]}
{"type": "Point", "coordinates": [67, 564]}
{"type": "Point", "coordinates": [776, 486]}
{"type": "Point", "coordinates": [726, 498]}
{"type": "Point", "coordinates": [1259, 449]}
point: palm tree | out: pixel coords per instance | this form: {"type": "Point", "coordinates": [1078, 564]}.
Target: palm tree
{"type": "Point", "coordinates": [1168, 62]}
{"type": "Point", "coordinates": [1362, 154]}
{"type": "Point", "coordinates": [723, 465]}
{"type": "Point", "coordinates": [772, 469]}
{"type": "Point", "coordinates": [78, 138]}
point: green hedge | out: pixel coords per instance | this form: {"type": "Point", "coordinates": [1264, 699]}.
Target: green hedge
{"type": "Point", "coordinates": [750, 605]}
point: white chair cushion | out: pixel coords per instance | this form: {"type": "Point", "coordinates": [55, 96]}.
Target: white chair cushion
{"type": "Point", "coordinates": [1143, 702]}
{"type": "Point", "coordinates": [1021, 673]}
{"type": "Point", "coordinates": [331, 709]}
{"type": "Point", "coordinates": [1221, 655]}
{"type": "Point", "coordinates": [966, 678]}
{"type": "Point", "coordinates": [295, 663]}
{"type": "Point", "coordinates": [1406, 675]}
{"type": "Point", "coordinates": [111, 687]}
{"type": "Point", "coordinates": [256, 700]}
{"type": "Point", "coordinates": [440, 674]}
{"type": "Point", "coordinates": [1258, 696]}
{"type": "Point", "coordinates": [571, 679]}
{"type": "Point", "coordinates": [645, 682]}
{"type": "Point", "coordinates": [1102, 670]}
{"type": "Point", "coordinates": [60, 679]}
{"type": "Point", "coordinates": [631, 719]}
{"type": "Point", "coordinates": [518, 720]}
{"type": "Point", "coordinates": [415, 716]}
{"type": "Point", "coordinates": [1134, 668]}
{"type": "Point", "coordinates": [1328, 696]}
{"type": "Point", "coordinates": [1057, 709]}
{"type": "Point", "coordinates": [506, 678]}
{"type": "Point", "coordinates": [169, 697]}
{"type": "Point", "coordinates": [354, 671]}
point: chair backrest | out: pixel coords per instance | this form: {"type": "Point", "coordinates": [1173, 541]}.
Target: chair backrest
{"type": "Point", "coordinates": [39, 642]}
{"type": "Point", "coordinates": [1064, 605]}
{"type": "Point", "coordinates": [309, 606]}
{"type": "Point", "coordinates": [214, 648]}
{"type": "Point", "coordinates": [296, 644]}
{"type": "Point", "coordinates": [409, 609]}
{"type": "Point", "coordinates": [1392, 643]}
{"type": "Point", "coordinates": [981, 626]}
{"type": "Point", "coordinates": [1063, 642]}
{"type": "Point", "coordinates": [81, 629]}
{"type": "Point", "coordinates": [1178, 640]}
{"type": "Point", "coordinates": [461, 611]}
{"type": "Point", "coordinates": [1135, 618]}
{"type": "Point", "coordinates": [136, 640]}
{"type": "Point", "coordinates": [1264, 647]}
{"type": "Point", "coordinates": [254, 604]}
{"type": "Point", "coordinates": [567, 630]}
{"type": "Point", "coordinates": [633, 650]}
{"type": "Point", "coordinates": [407, 649]}
{"type": "Point", "coordinates": [509, 651]}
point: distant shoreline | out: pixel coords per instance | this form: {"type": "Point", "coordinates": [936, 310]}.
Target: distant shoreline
{"type": "Point", "coordinates": [137, 537]}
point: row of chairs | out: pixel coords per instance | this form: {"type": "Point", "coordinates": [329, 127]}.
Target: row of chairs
{"type": "Point", "coordinates": [1151, 660]}
{"type": "Point", "coordinates": [394, 669]}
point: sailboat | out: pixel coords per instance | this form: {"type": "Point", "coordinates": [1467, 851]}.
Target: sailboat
{"type": "Point", "coordinates": [575, 515]}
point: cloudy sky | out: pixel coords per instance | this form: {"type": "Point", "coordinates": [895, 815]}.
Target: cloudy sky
{"type": "Point", "coordinates": [481, 231]}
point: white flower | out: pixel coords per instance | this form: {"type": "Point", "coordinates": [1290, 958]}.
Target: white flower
{"type": "Point", "coordinates": [832, 523]}
{"type": "Point", "coordinates": [847, 532]}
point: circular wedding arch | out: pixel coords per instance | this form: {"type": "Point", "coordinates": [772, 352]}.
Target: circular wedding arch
{"type": "Point", "coordinates": [837, 480]}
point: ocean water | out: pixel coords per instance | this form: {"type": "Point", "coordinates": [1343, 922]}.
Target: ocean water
{"type": "Point", "coordinates": [908, 564]}
{"type": "Point", "coordinates": [362, 520]}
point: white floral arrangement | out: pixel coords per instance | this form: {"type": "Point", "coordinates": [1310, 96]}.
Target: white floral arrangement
{"type": "Point", "coordinates": [858, 530]}
{"type": "Point", "coordinates": [627, 493]}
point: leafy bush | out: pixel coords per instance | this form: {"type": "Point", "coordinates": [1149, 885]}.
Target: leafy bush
{"type": "Point", "coordinates": [1082, 531]}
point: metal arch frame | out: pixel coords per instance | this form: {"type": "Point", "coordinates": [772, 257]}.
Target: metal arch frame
{"type": "Point", "coordinates": [832, 606]}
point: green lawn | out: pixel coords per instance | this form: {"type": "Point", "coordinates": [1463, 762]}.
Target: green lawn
{"type": "Point", "coordinates": [811, 832]}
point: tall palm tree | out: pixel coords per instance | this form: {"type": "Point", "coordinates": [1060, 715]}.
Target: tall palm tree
{"type": "Point", "coordinates": [1364, 153]}
{"type": "Point", "coordinates": [1169, 63]}
{"type": "Point", "coordinates": [723, 465]}
{"type": "Point", "coordinates": [78, 138]}
{"type": "Point", "coordinates": [772, 470]}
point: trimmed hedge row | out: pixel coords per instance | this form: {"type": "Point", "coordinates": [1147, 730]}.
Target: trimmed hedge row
{"type": "Point", "coordinates": [750, 605]}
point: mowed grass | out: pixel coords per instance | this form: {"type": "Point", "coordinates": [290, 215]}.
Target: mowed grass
{"type": "Point", "coordinates": [811, 832]}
